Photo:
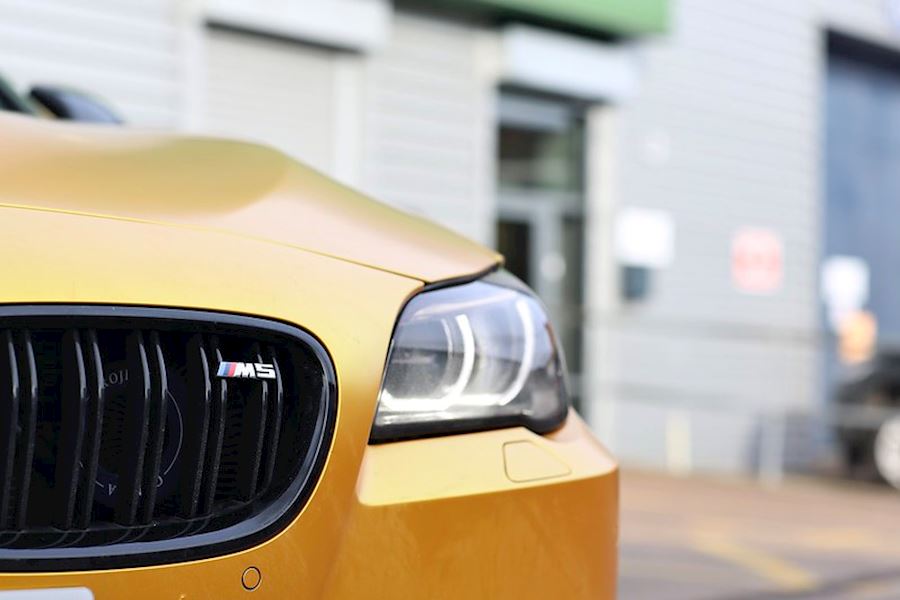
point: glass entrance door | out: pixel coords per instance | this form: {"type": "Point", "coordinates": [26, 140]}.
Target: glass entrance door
{"type": "Point", "coordinates": [540, 226]}
{"type": "Point", "coordinates": [862, 119]}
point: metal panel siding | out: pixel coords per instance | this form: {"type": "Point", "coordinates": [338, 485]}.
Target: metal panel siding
{"type": "Point", "coordinates": [733, 93]}
{"type": "Point", "coordinates": [429, 125]}
{"type": "Point", "coordinates": [273, 92]}
{"type": "Point", "coordinates": [127, 53]}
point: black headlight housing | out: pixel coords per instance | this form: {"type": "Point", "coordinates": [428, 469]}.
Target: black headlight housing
{"type": "Point", "coordinates": [479, 355]}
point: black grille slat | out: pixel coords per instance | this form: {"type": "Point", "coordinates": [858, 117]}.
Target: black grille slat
{"type": "Point", "coordinates": [276, 406]}
{"type": "Point", "coordinates": [74, 395]}
{"type": "Point", "coordinates": [157, 426]}
{"type": "Point", "coordinates": [218, 415]}
{"type": "Point", "coordinates": [253, 435]}
{"type": "Point", "coordinates": [197, 422]}
{"type": "Point", "coordinates": [96, 391]}
{"type": "Point", "coordinates": [9, 422]}
{"type": "Point", "coordinates": [25, 448]}
{"type": "Point", "coordinates": [128, 435]}
{"type": "Point", "coordinates": [134, 438]}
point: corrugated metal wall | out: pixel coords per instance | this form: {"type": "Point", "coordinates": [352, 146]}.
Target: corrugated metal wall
{"type": "Point", "coordinates": [127, 52]}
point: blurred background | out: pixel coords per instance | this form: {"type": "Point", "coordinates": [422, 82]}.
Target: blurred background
{"type": "Point", "coordinates": [705, 193]}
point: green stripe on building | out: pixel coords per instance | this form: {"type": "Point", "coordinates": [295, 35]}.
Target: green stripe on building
{"type": "Point", "coordinates": [617, 17]}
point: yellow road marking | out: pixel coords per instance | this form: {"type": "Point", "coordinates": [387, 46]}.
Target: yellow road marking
{"type": "Point", "coordinates": [843, 539]}
{"type": "Point", "coordinates": [767, 566]}
{"type": "Point", "coordinates": [822, 540]}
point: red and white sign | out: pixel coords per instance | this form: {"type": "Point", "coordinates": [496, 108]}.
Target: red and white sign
{"type": "Point", "coordinates": [757, 260]}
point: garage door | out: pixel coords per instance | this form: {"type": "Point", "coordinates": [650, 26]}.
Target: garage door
{"type": "Point", "coordinates": [271, 91]}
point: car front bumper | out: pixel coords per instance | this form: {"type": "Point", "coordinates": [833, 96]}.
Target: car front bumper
{"type": "Point", "coordinates": [497, 514]}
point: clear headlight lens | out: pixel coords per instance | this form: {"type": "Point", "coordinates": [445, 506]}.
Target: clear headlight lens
{"type": "Point", "coordinates": [468, 357]}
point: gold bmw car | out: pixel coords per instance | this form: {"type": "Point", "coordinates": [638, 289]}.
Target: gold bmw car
{"type": "Point", "coordinates": [224, 375]}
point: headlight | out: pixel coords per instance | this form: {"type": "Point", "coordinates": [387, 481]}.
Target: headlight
{"type": "Point", "coordinates": [468, 357]}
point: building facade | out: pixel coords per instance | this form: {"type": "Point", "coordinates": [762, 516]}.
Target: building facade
{"type": "Point", "coordinates": [656, 170]}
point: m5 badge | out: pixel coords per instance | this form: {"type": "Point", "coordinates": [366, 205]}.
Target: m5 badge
{"type": "Point", "coordinates": [246, 370]}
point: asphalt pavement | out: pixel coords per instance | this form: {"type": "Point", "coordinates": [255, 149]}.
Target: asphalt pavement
{"type": "Point", "coordinates": [703, 538]}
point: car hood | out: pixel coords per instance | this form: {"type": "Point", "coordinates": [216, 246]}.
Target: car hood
{"type": "Point", "coordinates": [244, 189]}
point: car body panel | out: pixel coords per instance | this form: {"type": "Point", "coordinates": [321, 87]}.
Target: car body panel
{"type": "Point", "coordinates": [242, 188]}
{"type": "Point", "coordinates": [500, 514]}
{"type": "Point", "coordinates": [433, 518]}
{"type": "Point", "coordinates": [466, 530]}
{"type": "Point", "coordinates": [548, 539]}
